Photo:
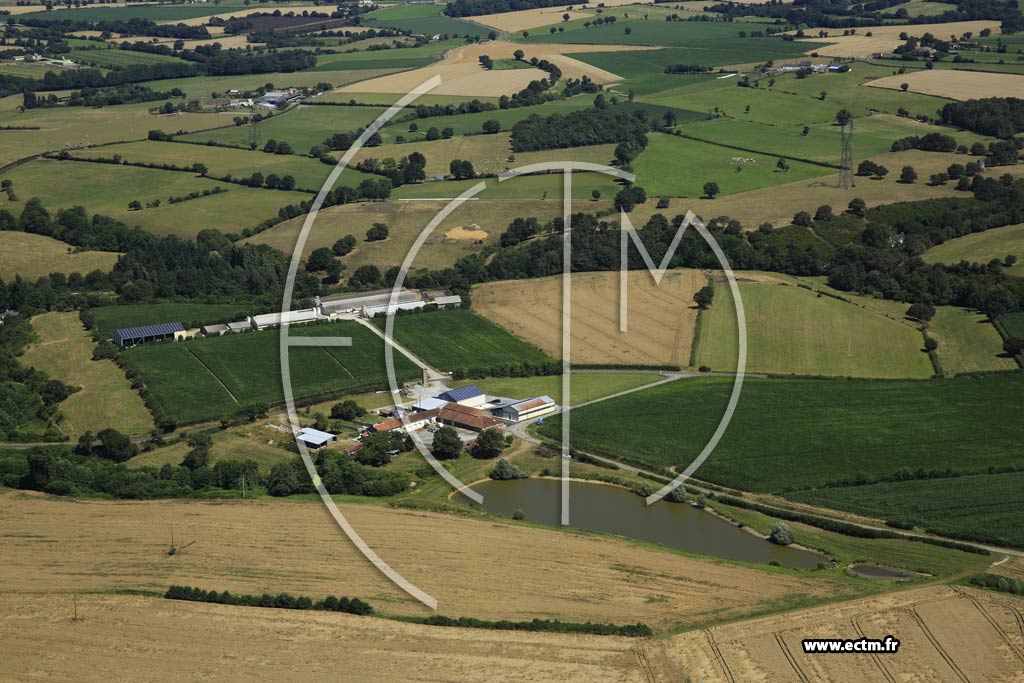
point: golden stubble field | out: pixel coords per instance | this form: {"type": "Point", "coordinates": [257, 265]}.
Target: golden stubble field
{"type": "Point", "coordinates": [661, 318]}
{"type": "Point", "coordinates": [947, 634]}
{"type": "Point", "coordinates": [131, 638]}
{"type": "Point", "coordinates": [886, 38]}
{"type": "Point", "coordinates": [473, 567]}
{"type": "Point", "coordinates": [956, 85]}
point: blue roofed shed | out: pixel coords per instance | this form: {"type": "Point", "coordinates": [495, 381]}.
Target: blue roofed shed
{"type": "Point", "coordinates": [467, 396]}
{"type": "Point", "coordinates": [132, 336]}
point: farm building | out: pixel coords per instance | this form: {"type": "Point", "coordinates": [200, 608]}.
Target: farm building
{"type": "Point", "coordinates": [430, 403]}
{"type": "Point", "coordinates": [214, 330]}
{"type": "Point", "coordinates": [416, 421]}
{"type": "Point", "coordinates": [464, 417]}
{"type": "Point", "coordinates": [266, 320]}
{"type": "Point", "coordinates": [314, 438]}
{"type": "Point", "coordinates": [388, 308]}
{"type": "Point", "coordinates": [527, 409]}
{"type": "Point", "coordinates": [471, 396]}
{"type": "Point", "coordinates": [453, 301]}
{"type": "Point", "coordinates": [351, 303]}
{"type": "Point", "coordinates": [133, 336]}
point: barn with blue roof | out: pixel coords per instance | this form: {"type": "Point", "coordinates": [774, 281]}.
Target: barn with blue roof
{"type": "Point", "coordinates": [132, 336]}
{"type": "Point", "coordinates": [470, 396]}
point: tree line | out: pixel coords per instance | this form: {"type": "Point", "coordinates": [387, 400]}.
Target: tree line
{"type": "Point", "coordinates": [472, 8]}
{"type": "Point", "coordinates": [278, 601]}
{"type": "Point", "coordinates": [577, 129]}
{"type": "Point", "coordinates": [29, 399]}
{"type": "Point", "coordinates": [1001, 117]}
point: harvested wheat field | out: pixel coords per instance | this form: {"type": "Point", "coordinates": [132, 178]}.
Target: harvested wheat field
{"type": "Point", "coordinates": [238, 13]}
{"type": "Point", "coordinates": [956, 85]}
{"type": "Point", "coordinates": [661, 318]}
{"type": "Point", "coordinates": [461, 73]}
{"type": "Point", "coordinates": [886, 38]}
{"type": "Point", "coordinates": [531, 18]}
{"type": "Point", "coordinates": [959, 635]}
{"type": "Point", "coordinates": [131, 638]}
{"type": "Point", "coordinates": [62, 545]}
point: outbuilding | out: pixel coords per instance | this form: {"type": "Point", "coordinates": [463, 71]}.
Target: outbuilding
{"type": "Point", "coordinates": [529, 408]}
{"type": "Point", "coordinates": [314, 438]}
{"type": "Point", "coordinates": [133, 336]}
{"type": "Point", "coordinates": [464, 417]}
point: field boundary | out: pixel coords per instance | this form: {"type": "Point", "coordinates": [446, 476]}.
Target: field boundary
{"type": "Point", "coordinates": [824, 164]}
{"type": "Point", "coordinates": [214, 374]}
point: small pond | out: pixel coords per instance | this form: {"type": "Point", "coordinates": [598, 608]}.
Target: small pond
{"type": "Point", "coordinates": [614, 510]}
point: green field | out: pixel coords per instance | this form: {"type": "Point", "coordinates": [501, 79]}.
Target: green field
{"type": "Point", "coordinates": [1013, 323]}
{"type": "Point", "coordinates": [209, 378]}
{"type": "Point", "coordinates": [460, 339]}
{"type": "Point", "coordinates": [788, 434]}
{"type": "Point", "coordinates": [791, 330]}
{"type": "Point", "coordinates": [968, 342]}
{"type": "Point", "coordinates": [152, 12]}
{"type": "Point", "coordinates": [584, 386]}
{"type": "Point", "coordinates": [678, 167]}
{"type": "Point", "coordinates": [203, 86]}
{"type": "Point", "coordinates": [988, 507]}
{"type": "Point", "coordinates": [226, 446]}
{"type": "Point", "coordinates": [301, 128]}
{"type": "Point", "coordinates": [106, 319]}
{"type": "Point", "coordinates": [116, 58]}
{"type": "Point", "coordinates": [394, 58]}
{"type": "Point", "coordinates": [982, 247]}
{"type": "Point", "coordinates": [107, 189]}
{"type": "Point", "coordinates": [423, 19]}
{"type": "Point", "coordinates": [547, 186]}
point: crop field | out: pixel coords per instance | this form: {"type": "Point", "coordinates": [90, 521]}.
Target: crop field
{"type": "Point", "coordinates": [680, 167]}
{"type": "Point", "coordinates": [789, 434]}
{"type": "Point", "coordinates": [233, 445]}
{"type": "Point", "coordinates": [308, 173]}
{"type": "Point", "coordinates": [394, 58]}
{"type": "Point", "coordinates": [209, 378]}
{"type": "Point", "coordinates": [968, 342]}
{"type": "Point", "coordinates": [461, 339]}
{"type": "Point", "coordinates": [33, 256]}
{"type": "Point", "coordinates": [256, 546]}
{"type": "Point", "coordinates": [660, 319]}
{"type": "Point", "coordinates": [105, 399]}
{"type": "Point", "coordinates": [153, 13]}
{"type": "Point", "coordinates": [301, 128]}
{"type": "Point", "coordinates": [791, 330]}
{"type": "Point", "coordinates": [946, 633]}
{"type": "Point", "coordinates": [885, 38]}
{"type": "Point", "coordinates": [425, 19]}
{"type": "Point", "coordinates": [956, 85]}
{"type": "Point", "coordinates": [120, 58]}
{"type": "Point", "coordinates": [988, 507]}
{"type": "Point", "coordinates": [583, 387]}
{"type": "Point", "coordinates": [107, 189]}
{"type": "Point", "coordinates": [530, 18]}
{"type": "Point", "coordinates": [106, 319]}
{"type": "Point", "coordinates": [982, 247]}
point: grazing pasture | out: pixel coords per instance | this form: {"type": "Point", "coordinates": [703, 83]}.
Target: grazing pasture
{"type": "Point", "coordinates": [107, 189]}
{"type": "Point", "coordinates": [424, 19]}
{"type": "Point", "coordinates": [106, 319]}
{"type": "Point", "coordinates": [660, 319]}
{"type": "Point", "coordinates": [1013, 323]}
{"type": "Point", "coordinates": [202, 86]}
{"type": "Point", "coordinates": [583, 387]}
{"type": "Point", "coordinates": [679, 167]}
{"type": "Point", "coordinates": [460, 340]}
{"type": "Point", "coordinates": [789, 434]}
{"type": "Point", "coordinates": [985, 507]}
{"type": "Point", "coordinates": [117, 58]}
{"type": "Point", "coordinates": [64, 351]}
{"type": "Point", "coordinates": [968, 342]}
{"type": "Point", "coordinates": [33, 256]}
{"type": "Point", "coordinates": [231, 445]}
{"type": "Point", "coordinates": [791, 330]}
{"type": "Point", "coordinates": [983, 247]}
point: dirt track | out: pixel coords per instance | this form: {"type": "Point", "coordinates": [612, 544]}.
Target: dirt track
{"type": "Point", "coordinates": [660, 318]}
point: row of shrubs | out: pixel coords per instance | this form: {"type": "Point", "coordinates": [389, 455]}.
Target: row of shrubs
{"type": "Point", "coordinates": [637, 630]}
{"type": "Point", "coordinates": [1002, 584]}
{"type": "Point", "coordinates": [279, 601]}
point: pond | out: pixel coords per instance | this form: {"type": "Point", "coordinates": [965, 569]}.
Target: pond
{"type": "Point", "coordinates": [614, 510]}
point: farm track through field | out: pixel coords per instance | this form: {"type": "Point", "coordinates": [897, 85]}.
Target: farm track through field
{"type": "Point", "coordinates": [855, 623]}
{"type": "Point", "coordinates": [792, 660]}
{"type": "Point", "coordinates": [717, 652]}
{"type": "Point", "coordinates": [214, 374]}
{"type": "Point", "coordinates": [995, 624]}
{"type": "Point", "coordinates": [645, 666]}
{"type": "Point", "coordinates": [916, 617]}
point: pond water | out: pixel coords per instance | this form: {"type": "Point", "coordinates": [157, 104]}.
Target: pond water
{"type": "Point", "coordinates": [614, 510]}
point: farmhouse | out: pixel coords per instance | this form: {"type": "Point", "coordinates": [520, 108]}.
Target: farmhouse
{"type": "Point", "coordinates": [527, 409]}
{"type": "Point", "coordinates": [314, 438]}
{"type": "Point", "coordinates": [470, 396]}
{"type": "Point", "coordinates": [464, 417]}
{"type": "Point", "coordinates": [132, 336]}
{"type": "Point", "coordinates": [416, 421]}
